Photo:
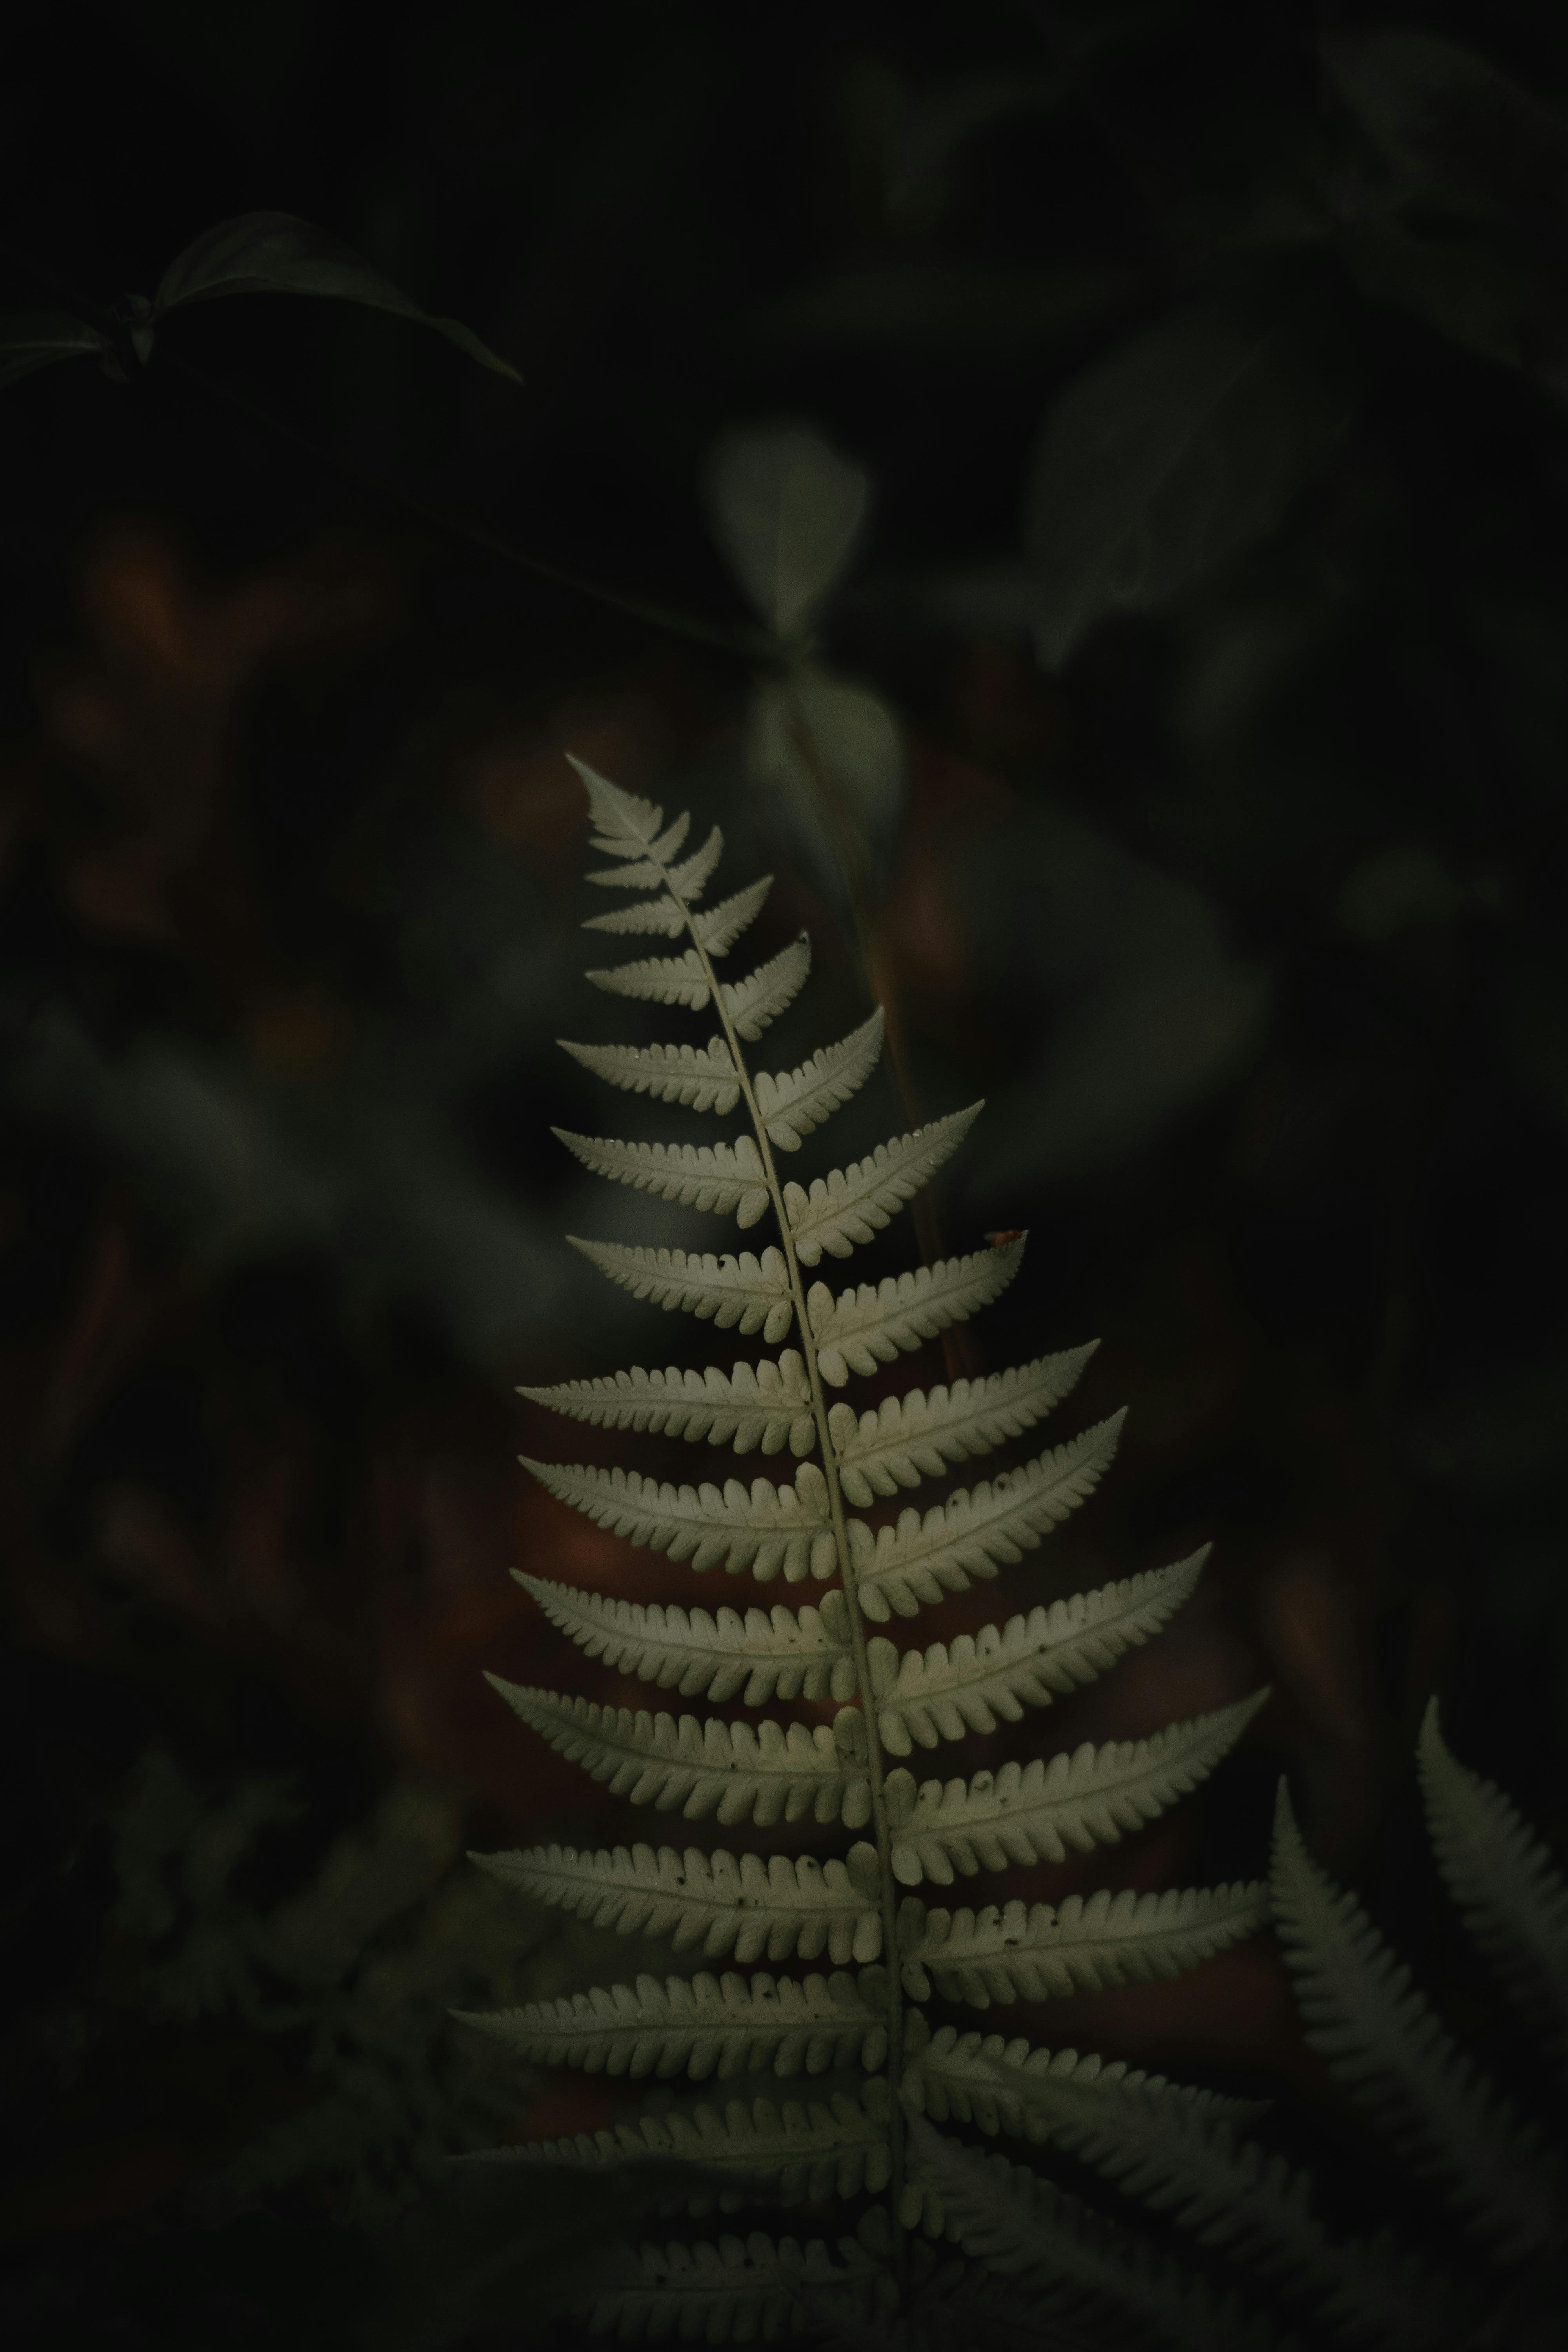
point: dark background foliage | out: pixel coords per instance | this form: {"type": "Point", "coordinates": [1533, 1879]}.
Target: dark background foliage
{"type": "Point", "coordinates": [1210, 364]}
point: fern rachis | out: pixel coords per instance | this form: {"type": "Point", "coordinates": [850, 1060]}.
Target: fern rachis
{"type": "Point", "coordinates": [856, 1913]}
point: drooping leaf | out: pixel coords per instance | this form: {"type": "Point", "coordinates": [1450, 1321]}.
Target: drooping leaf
{"type": "Point", "coordinates": [1453, 119]}
{"type": "Point", "coordinates": [769, 1530]}
{"type": "Point", "coordinates": [274, 253]}
{"type": "Point", "coordinates": [786, 510]}
{"type": "Point", "coordinates": [36, 338]}
{"type": "Point", "coordinates": [767, 1654]}
{"type": "Point", "coordinates": [914, 1436]}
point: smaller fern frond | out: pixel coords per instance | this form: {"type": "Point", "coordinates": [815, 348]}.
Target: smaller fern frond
{"type": "Point", "coordinates": [737, 2291]}
{"type": "Point", "coordinates": [718, 928]}
{"type": "Point", "coordinates": [852, 1204]}
{"type": "Point", "coordinates": [873, 1323]}
{"type": "Point", "coordinates": [690, 877]}
{"type": "Point", "coordinates": [755, 1002]}
{"type": "Point", "coordinates": [657, 980]}
{"type": "Point", "coordinates": [651, 917]}
{"type": "Point", "coordinates": [1512, 1899]}
{"type": "Point", "coordinates": [1383, 2040]}
{"type": "Point", "coordinates": [1088, 1943]}
{"type": "Point", "coordinates": [700, 1078]}
{"type": "Point", "coordinates": [797, 1101]}
{"type": "Point", "coordinates": [626, 825]}
{"type": "Point", "coordinates": [947, 1691]}
{"type": "Point", "coordinates": [766, 1653]}
{"type": "Point", "coordinates": [741, 1771]}
{"type": "Point", "coordinates": [751, 1292]}
{"type": "Point", "coordinates": [800, 2150]}
{"type": "Point", "coordinates": [914, 1436]}
{"type": "Point", "coordinates": [723, 1177]}
{"type": "Point", "coordinates": [701, 2025]}
{"type": "Point", "coordinates": [764, 1527]}
{"type": "Point", "coordinates": [757, 1408]}
{"type": "Point", "coordinates": [1002, 2084]}
{"type": "Point", "coordinates": [977, 1530]}
{"type": "Point", "coordinates": [781, 1908]}
{"type": "Point", "coordinates": [1035, 1812]}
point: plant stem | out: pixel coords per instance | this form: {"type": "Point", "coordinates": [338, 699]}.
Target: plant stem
{"type": "Point", "coordinates": [881, 1828]}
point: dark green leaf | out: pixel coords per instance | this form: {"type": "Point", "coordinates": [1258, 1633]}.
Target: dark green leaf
{"type": "Point", "coordinates": [1454, 120]}
{"type": "Point", "coordinates": [1170, 458]}
{"type": "Point", "coordinates": [273, 253]}
{"type": "Point", "coordinates": [36, 338]}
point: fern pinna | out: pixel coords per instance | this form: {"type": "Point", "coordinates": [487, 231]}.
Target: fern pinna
{"type": "Point", "coordinates": [885, 1951]}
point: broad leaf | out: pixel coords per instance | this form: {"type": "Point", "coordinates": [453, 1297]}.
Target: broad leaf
{"type": "Point", "coordinates": [786, 510]}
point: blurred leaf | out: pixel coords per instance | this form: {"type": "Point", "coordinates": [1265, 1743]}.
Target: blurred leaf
{"type": "Point", "coordinates": [967, 315]}
{"type": "Point", "coordinates": [1453, 119]}
{"type": "Point", "coordinates": [1397, 888]}
{"type": "Point", "coordinates": [833, 755]}
{"type": "Point", "coordinates": [273, 253]}
{"type": "Point", "coordinates": [1167, 459]}
{"type": "Point", "coordinates": [36, 338]}
{"type": "Point", "coordinates": [786, 511]}
{"type": "Point", "coordinates": [1477, 288]}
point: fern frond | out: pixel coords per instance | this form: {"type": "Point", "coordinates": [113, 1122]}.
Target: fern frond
{"type": "Point", "coordinates": [624, 824]}
{"type": "Point", "coordinates": [739, 2291]}
{"type": "Point", "coordinates": [691, 879]}
{"type": "Point", "coordinates": [1001, 2084]}
{"type": "Point", "coordinates": [758, 1408]}
{"type": "Point", "coordinates": [852, 1204]}
{"type": "Point", "coordinates": [914, 1436]}
{"type": "Point", "coordinates": [745, 1290]}
{"type": "Point", "coordinates": [723, 1177]}
{"type": "Point", "coordinates": [1088, 1943]}
{"type": "Point", "coordinates": [765, 1527]}
{"type": "Point", "coordinates": [702, 1077]}
{"type": "Point", "coordinates": [777, 1654]}
{"type": "Point", "coordinates": [797, 1101]}
{"type": "Point", "coordinates": [719, 927]}
{"type": "Point", "coordinates": [1024, 2228]}
{"type": "Point", "coordinates": [1510, 1896]}
{"type": "Point", "coordinates": [701, 2025]}
{"type": "Point", "coordinates": [943, 1692]}
{"type": "Point", "coordinates": [765, 1772]}
{"type": "Point", "coordinates": [1034, 1811]}
{"type": "Point", "coordinates": [799, 2150]}
{"type": "Point", "coordinates": [1383, 2040]}
{"type": "Point", "coordinates": [871, 1323]}
{"type": "Point", "coordinates": [975, 1530]}
{"type": "Point", "coordinates": [754, 1003]}
{"type": "Point", "coordinates": [657, 980]}
{"type": "Point", "coordinates": [652, 917]}
{"type": "Point", "coordinates": [780, 1908]}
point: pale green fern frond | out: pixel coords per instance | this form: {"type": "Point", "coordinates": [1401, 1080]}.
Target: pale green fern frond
{"type": "Point", "coordinates": [703, 2025]}
{"type": "Point", "coordinates": [915, 1437]}
{"type": "Point", "coordinates": [690, 877]}
{"type": "Point", "coordinates": [757, 1408]}
{"type": "Point", "coordinates": [716, 927]}
{"type": "Point", "coordinates": [767, 1654]}
{"type": "Point", "coordinates": [853, 1205]}
{"type": "Point", "coordinates": [976, 1529]}
{"type": "Point", "coordinates": [721, 1176]}
{"type": "Point", "coordinates": [797, 1101]}
{"type": "Point", "coordinates": [785, 1907]}
{"type": "Point", "coordinates": [699, 1077]}
{"type": "Point", "coordinates": [947, 1691]}
{"type": "Point", "coordinates": [769, 1530]}
{"type": "Point", "coordinates": [1381, 2038]}
{"type": "Point", "coordinates": [1088, 1943]}
{"type": "Point", "coordinates": [658, 979]}
{"type": "Point", "coordinates": [775, 1771]}
{"type": "Point", "coordinates": [872, 1324]}
{"type": "Point", "coordinates": [755, 1004]}
{"type": "Point", "coordinates": [750, 1292]}
{"type": "Point", "coordinates": [1510, 1896]}
{"type": "Point", "coordinates": [1036, 1811]}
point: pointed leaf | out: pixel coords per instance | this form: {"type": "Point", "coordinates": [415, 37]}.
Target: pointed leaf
{"type": "Point", "coordinates": [867, 1326]}
{"type": "Point", "coordinates": [659, 979]}
{"type": "Point", "coordinates": [781, 1654]}
{"type": "Point", "coordinates": [757, 1407]}
{"type": "Point", "coordinates": [978, 1528]}
{"type": "Point", "coordinates": [947, 1692]}
{"type": "Point", "coordinates": [793, 1103]}
{"type": "Point", "coordinates": [702, 1077]}
{"type": "Point", "coordinates": [758, 1909]}
{"type": "Point", "coordinates": [786, 510]}
{"type": "Point", "coordinates": [627, 825]}
{"type": "Point", "coordinates": [691, 879]}
{"type": "Point", "coordinates": [1035, 1812]}
{"type": "Point", "coordinates": [1088, 1943]}
{"type": "Point", "coordinates": [751, 1292]}
{"type": "Point", "coordinates": [767, 1773]}
{"type": "Point", "coordinates": [274, 253]}
{"type": "Point", "coordinates": [703, 2025]}
{"type": "Point", "coordinates": [718, 928]}
{"type": "Point", "coordinates": [854, 1203]}
{"type": "Point", "coordinates": [914, 1436]}
{"type": "Point", "coordinates": [723, 1177]}
{"type": "Point", "coordinates": [659, 918]}
{"type": "Point", "coordinates": [754, 1002]}
{"type": "Point", "coordinates": [767, 1528]}
{"type": "Point", "coordinates": [30, 340]}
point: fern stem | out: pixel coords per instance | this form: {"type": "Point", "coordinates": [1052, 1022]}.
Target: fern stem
{"type": "Point", "coordinates": [881, 1829]}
